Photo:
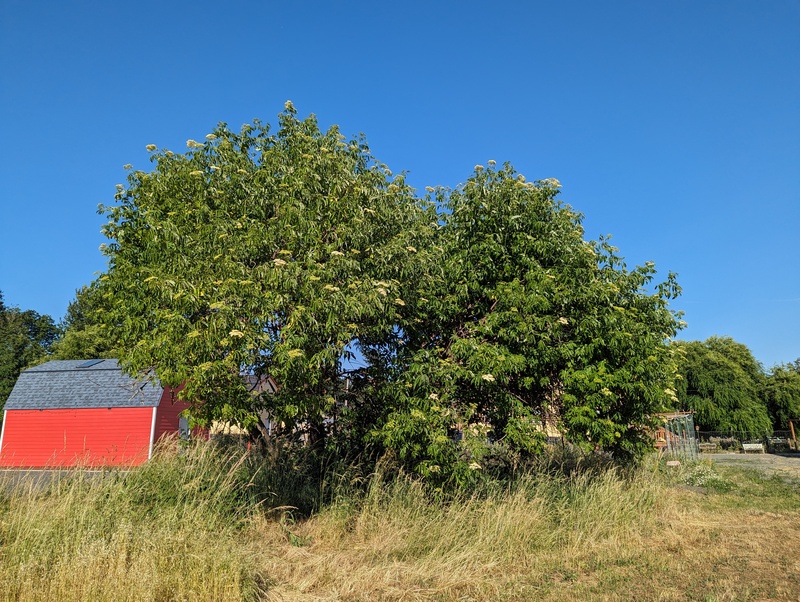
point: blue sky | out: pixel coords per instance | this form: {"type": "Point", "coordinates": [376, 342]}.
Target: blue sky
{"type": "Point", "coordinates": [672, 125]}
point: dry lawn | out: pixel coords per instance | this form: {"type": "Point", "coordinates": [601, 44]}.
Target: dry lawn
{"type": "Point", "coordinates": [605, 540]}
{"type": "Point", "coordinates": [176, 530]}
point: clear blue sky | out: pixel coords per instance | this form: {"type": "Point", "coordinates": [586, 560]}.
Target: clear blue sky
{"type": "Point", "coordinates": [673, 125]}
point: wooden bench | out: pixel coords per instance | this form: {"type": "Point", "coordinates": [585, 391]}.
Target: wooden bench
{"type": "Point", "coordinates": [707, 447]}
{"type": "Point", "coordinates": [756, 447]}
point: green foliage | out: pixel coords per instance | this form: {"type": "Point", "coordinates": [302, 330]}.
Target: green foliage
{"type": "Point", "coordinates": [782, 391]}
{"type": "Point", "coordinates": [724, 385]}
{"type": "Point", "coordinates": [525, 326]}
{"type": "Point", "coordinates": [25, 338]}
{"type": "Point", "coordinates": [261, 253]}
{"type": "Point", "coordinates": [481, 317]}
{"type": "Point", "coordinates": [84, 335]}
{"type": "Point", "coordinates": [729, 390]}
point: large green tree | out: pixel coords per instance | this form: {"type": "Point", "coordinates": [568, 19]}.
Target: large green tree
{"type": "Point", "coordinates": [264, 253]}
{"type": "Point", "coordinates": [25, 338]}
{"type": "Point", "coordinates": [723, 384]}
{"type": "Point", "coordinates": [782, 391]}
{"type": "Point", "coordinates": [388, 320]}
{"type": "Point", "coordinates": [526, 323]}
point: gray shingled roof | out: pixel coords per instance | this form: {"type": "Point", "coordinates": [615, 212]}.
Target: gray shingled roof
{"type": "Point", "coordinates": [63, 384]}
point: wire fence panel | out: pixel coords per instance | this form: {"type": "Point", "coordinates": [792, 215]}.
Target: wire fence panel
{"type": "Point", "coordinates": [677, 436]}
{"type": "Point", "coordinates": [681, 437]}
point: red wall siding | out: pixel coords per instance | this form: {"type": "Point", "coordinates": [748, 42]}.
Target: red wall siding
{"type": "Point", "coordinates": [167, 418]}
{"type": "Point", "coordinates": [90, 437]}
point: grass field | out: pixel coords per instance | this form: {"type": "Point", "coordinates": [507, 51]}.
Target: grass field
{"type": "Point", "coordinates": [189, 526]}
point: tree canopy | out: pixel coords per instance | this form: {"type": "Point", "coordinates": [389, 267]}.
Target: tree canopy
{"type": "Point", "coordinates": [82, 333]}
{"type": "Point", "coordinates": [527, 327]}
{"type": "Point", "coordinates": [264, 253]}
{"type": "Point", "coordinates": [723, 384]}
{"type": "Point", "coordinates": [783, 394]}
{"type": "Point", "coordinates": [729, 390]}
{"type": "Point", "coordinates": [25, 337]}
{"type": "Point", "coordinates": [438, 328]}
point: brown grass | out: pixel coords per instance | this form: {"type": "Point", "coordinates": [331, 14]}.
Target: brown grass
{"type": "Point", "coordinates": [167, 531]}
{"type": "Point", "coordinates": [609, 539]}
{"type": "Point", "coordinates": [173, 531]}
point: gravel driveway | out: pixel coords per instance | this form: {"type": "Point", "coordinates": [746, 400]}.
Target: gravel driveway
{"type": "Point", "coordinates": [785, 465]}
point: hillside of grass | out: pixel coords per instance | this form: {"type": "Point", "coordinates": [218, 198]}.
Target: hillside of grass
{"type": "Point", "coordinates": [216, 523]}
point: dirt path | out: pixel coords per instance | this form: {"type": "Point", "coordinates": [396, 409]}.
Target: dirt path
{"type": "Point", "coordinates": [785, 465]}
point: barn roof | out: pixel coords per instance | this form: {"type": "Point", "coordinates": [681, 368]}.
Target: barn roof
{"type": "Point", "coordinates": [80, 384]}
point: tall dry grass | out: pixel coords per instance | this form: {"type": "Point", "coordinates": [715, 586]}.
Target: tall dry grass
{"type": "Point", "coordinates": [647, 534]}
{"type": "Point", "coordinates": [209, 524]}
{"type": "Point", "coordinates": [396, 543]}
{"type": "Point", "coordinates": [171, 530]}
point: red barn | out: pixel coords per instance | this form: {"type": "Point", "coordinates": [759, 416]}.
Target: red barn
{"type": "Point", "coordinates": [88, 413]}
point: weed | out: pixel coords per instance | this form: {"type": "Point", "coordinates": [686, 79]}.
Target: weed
{"type": "Point", "coordinates": [703, 474]}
